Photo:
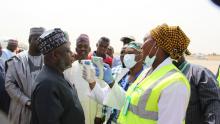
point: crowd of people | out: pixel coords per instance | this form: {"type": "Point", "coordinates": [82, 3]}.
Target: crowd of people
{"type": "Point", "coordinates": [151, 82]}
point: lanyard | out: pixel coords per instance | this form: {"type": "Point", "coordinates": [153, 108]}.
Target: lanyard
{"type": "Point", "coordinates": [183, 66]}
{"type": "Point", "coordinates": [141, 80]}
{"type": "Point", "coordinates": [128, 98]}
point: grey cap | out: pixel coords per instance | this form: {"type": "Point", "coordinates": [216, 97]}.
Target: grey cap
{"type": "Point", "coordinates": [37, 31]}
{"type": "Point", "coordinates": [131, 38]}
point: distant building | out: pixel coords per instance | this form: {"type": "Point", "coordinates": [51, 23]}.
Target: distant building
{"type": "Point", "coordinates": [201, 56]}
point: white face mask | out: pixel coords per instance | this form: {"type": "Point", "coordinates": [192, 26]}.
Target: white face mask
{"type": "Point", "coordinates": [129, 60]}
{"type": "Point", "coordinates": [150, 61]}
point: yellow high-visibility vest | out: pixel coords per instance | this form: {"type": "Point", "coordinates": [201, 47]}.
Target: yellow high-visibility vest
{"type": "Point", "coordinates": [144, 95]}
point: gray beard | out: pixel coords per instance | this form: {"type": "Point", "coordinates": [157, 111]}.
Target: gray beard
{"type": "Point", "coordinates": [62, 65]}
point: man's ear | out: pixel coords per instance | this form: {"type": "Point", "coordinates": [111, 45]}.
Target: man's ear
{"type": "Point", "coordinates": [55, 55]}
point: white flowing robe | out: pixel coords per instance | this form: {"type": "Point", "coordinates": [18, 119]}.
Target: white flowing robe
{"type": "Point", "coordinates": [90, 107]}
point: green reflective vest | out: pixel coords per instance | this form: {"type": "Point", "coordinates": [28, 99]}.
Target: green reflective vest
{"type": "Point", "coordinates": [144, 95]}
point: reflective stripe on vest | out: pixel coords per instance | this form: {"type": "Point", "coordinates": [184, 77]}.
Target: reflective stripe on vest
{"type": "Point", "coordinates": [143, 107]}
{"type": "Point", "coordinates": [138, 109]}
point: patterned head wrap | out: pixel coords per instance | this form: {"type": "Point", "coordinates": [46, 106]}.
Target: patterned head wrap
{"type": "Point", "coordinates": [171, 39]}
{"type": "Point", "coordinates": [134, 45]}
{"type": "Point", "coordinates": [51, 40]}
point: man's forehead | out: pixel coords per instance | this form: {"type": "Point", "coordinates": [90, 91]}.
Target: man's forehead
{"type": "Point", "coordinates": [104, 43]}
{"type": "Point", "coordinates": [83, 42]}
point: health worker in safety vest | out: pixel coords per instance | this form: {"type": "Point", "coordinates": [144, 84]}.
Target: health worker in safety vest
{"type": "Point", "coordinates": [160, 94]}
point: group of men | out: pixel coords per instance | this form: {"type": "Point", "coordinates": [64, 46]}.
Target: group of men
{"type": "Point", "coordinates": [152, 83]}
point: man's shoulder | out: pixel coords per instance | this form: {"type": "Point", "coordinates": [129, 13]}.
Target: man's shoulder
{"type": "Point", "coordinates": [200, 70]}
{"type": "Point", "coordinates": [5, 50]}
{"type": "Point", "coordinates": [195, 66]}
{"type": "Point", "coordinates": [45, 81]}
{"type": "Point", "coordinates": [44, 86]}
{"type": "Point", "coordinates": [13, 58]}
{"type": "Point", "coordinates": [23, 54]}
{"type": "Point", "coordinates": [19, 56]}
{"type": "Point", "coordinates": [45, 75]}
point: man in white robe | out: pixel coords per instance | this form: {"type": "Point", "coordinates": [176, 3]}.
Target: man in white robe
{"type": "Point", "coordinates": [92, 110]}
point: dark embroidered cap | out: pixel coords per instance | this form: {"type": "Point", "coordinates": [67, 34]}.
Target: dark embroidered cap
{"type": "Point", "coordinates": [51, 40]}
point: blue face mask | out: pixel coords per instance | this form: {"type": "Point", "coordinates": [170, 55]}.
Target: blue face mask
{"type": "Point", "coordinates": [129, 60]}
{"type": "Point", "coordinates": [150, 61]}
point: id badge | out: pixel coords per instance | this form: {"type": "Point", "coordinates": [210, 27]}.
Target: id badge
{"type": "Point", "coordinates": [126, 105]}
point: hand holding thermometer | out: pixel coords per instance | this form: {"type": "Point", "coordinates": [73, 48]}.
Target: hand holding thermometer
{"type": "Point", "coordinates": [98, 61]}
